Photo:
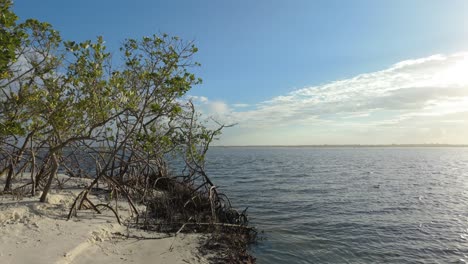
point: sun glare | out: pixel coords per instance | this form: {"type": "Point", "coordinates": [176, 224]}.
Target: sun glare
{"type": "Point", "coordinates": [456, 74]}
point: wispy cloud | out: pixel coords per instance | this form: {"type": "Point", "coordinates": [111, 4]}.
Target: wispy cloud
{"type": "Point", "coordinates": [219, 107]}
{"type": "Point", "coordinates": [240, 105]}
{"type": "Point", "coordinates": [408, 98]}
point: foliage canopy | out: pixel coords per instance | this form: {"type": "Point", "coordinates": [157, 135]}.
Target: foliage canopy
{"type": "Point", "coordinates": [59, 97]}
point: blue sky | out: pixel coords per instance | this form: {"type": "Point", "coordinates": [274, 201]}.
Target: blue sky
{"type": "Point", "coordinates": [254, 53]}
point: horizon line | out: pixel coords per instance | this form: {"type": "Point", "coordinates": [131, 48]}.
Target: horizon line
{"type": "Point", "coordinates": [352, 145]}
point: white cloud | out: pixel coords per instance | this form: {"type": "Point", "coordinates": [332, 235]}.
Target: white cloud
{"type": "Point", "coordinates": [198, 99]}
{"type": "Point", "coordinates": [218, 107]}
{"type": "Point", "coordinates": [408, 99]}
{"type": "Point", "coordinates": [240, 105]}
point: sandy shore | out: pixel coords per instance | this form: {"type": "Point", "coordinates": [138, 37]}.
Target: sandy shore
{"type": "Point", "coordinates": [34, 232]}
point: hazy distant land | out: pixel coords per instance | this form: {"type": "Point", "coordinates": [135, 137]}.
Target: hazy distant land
{"type": "Point", "coordinates": [348, 145]}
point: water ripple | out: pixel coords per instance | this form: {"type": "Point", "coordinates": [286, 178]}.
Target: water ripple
{"type": "Point", "coordinates": [350, 205]}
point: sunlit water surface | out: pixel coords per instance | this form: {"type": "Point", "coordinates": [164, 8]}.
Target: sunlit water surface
{"type": "Point", "coordinates": [350, 205]}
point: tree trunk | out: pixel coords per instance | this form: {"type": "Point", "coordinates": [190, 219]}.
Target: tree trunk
{"type": "Point", "coordinates": [53, 173]}
{"type": "Point", "coordinates": [42, 171]}
{"type": "Point", "coordinates": [14, 162]}
{"type": "Point", "coordinates": [9, 178]}
{"type": "Point", "coordinates": [33, 178]}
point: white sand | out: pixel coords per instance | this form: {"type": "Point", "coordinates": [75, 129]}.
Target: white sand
{"type": "Point", "coordinates": [34, 232]}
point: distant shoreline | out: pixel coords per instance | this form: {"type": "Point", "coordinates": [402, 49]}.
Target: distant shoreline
{"type": "Point", "coordinates": [346, 146]}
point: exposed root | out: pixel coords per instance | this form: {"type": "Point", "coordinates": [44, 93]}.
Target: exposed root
{"type": "Point", "coordinates": [112, 209]}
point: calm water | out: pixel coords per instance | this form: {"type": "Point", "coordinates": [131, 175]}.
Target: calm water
{"type": "Point", "coordinates": [351, 205]}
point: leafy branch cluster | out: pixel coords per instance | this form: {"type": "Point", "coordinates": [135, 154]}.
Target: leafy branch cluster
{"type": "Point", "coordinates": [63, 102]}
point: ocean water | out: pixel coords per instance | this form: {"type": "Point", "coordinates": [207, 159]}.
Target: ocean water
{"type": "Point", "coordinates": [350, 205]}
